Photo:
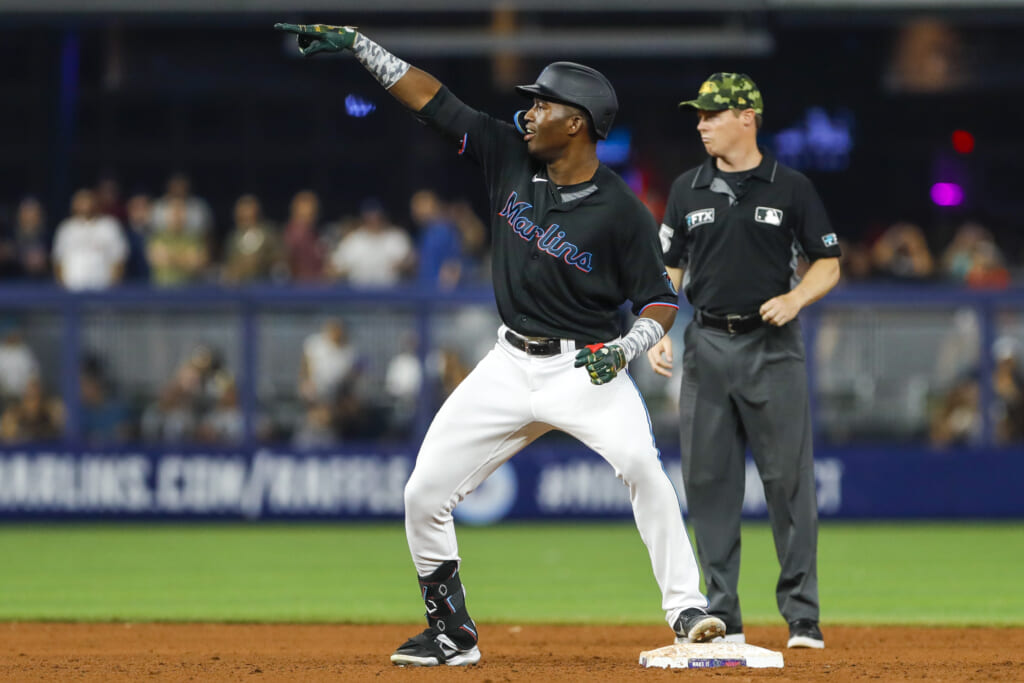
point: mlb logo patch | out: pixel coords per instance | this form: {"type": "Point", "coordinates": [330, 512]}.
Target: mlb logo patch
{"type": "Point", "coordinates": [830, 240]}
{"type": "Point", "coordinates": [699, 217]}
{"type": "Point", "coordinates": [766, 214]}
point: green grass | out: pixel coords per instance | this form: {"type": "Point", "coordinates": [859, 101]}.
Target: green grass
{"type": "Point", "coordinates": [578, 573]}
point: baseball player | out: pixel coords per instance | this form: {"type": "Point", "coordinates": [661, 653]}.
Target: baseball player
{"type": "Point", "coordinates": [735, 225]}
{"type": "Point", "coordinates": [571, 243]}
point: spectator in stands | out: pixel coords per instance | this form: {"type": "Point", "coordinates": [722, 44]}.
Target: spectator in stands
{"type": "Point", "coordinates": [31, 241]}
{"type": "Point", "coordinates": [331, 374]}
{"type": "Point", "coordinates": [105, 419]}
{"type": "Point", "coordinates": [902, 253]}
{"type": "Point", "coordinates": [253, 251]}
{"type": "Point", "coordinates": [170, 419]}
{"type": "Point", "coordinates": [402, 381]}
{"type": "Point", "coordinates": [330, 363]}
{"type": "Point", "coordinates": [108, 199]}
{"type": "Point", "coordinates": [439, 247]}
{"type": "Point", "coordinates": [958, 349]}
{"type": "Point", "coordinates": [317, 429]}
{"type": "Point", "coordinates": [855, 263]}
{"type": "Point", "coordinates": [404, 374]}
{"type": "Point", "coordinates": [331, 235]}
{"type": "Point", "coordinates": [18, 364]}
{"type": "Point", "coordinates": [956, 420]}
{"type": "Point", "coordinates": [89, 250]}
{"type": "Point", "coordinates": [957, 257]}
{"type": "Point", "coordinates": [988, 270]}
{"type": "Point", "coordinates": [451, 370]}
{"type": "Point", "coordinates": [198, 217]}
{"type": "Point", "coordinates": [473, 236]}
{"type": "Point", "coordinates": [9, 269]}
{"type": "Point", "coordinates": [138, 227]}
{"type": "Point", "coordinates": [974, 259]}
{"type": "Point", "coordinates": [376, 253]}
{"type": "Point", "coordinates": [303, 247]}
{"type": "Point", "coordinates": [196, 389]}
{"type": "Point", "coordinates": [176, 256]}
{"type": "Point", "coordinates": [202, 375]}
{"type": "Point", "coordinates": [224, 422]}
{"type": "Point", "coordinates": [1008, 385]}
{"type": "Point", "coordinates": [35, 417]}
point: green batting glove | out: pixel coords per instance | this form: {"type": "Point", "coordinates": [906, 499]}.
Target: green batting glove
{"type": "Point", "coordinates": [313, 38]}
{"type": "Point", "coordinates": [602, 362]}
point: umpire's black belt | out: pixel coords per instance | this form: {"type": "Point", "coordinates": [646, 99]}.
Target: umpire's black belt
{"type": "Point", "coordinates": [733, 324]}
{"type": "Point", "coordinates": [539, 346]}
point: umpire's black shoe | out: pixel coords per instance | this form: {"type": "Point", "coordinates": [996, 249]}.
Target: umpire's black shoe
{"type": "Point", "coordinates": [432, 648]}
{"type": "Point", "coordinates": [695, 625]}
{"type": "Point", "coordinates": [805, 633]}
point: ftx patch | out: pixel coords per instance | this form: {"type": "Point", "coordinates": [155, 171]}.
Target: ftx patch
{"type": "Point", "coordinates": [699, 217]}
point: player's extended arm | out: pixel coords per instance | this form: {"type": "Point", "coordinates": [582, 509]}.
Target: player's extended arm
{"type": "Point", "coordinates": [660, 355]}
{"type": "Point", "coordinates": [411, 86]}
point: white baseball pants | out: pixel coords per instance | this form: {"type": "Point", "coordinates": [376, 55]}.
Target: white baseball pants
{"type": "Point", "coordinates": [509, 400]}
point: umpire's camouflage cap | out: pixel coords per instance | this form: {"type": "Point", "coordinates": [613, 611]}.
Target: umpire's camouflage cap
{"type": "Point", "coordinates": [727, 91]}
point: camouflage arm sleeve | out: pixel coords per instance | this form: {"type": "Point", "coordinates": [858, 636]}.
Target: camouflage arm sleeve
{"type": "Point", "coordinates": [384, 66]}
{"type": "Point", "coordinates": [644, 334]}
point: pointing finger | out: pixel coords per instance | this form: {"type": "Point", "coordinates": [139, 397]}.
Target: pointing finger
{"type": "Point", "coordinates": [301, 29]}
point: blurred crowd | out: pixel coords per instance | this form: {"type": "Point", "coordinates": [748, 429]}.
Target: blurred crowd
{"type": "Point", "coordinates": [344, 392]}
{"type": "Point", "coordinates": [172, 240]}
{"type": "Point", "coordinates": [955, 417]}
{"type": "Point", "coordinates": [331, 401]}
{"type": "Point", "coordinates": [901, 253]}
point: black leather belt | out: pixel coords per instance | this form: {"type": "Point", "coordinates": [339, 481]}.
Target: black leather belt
{"type": "Point", "coordinates": [733, 324]}
{"type": "Point", "coordinates": [533, 346]}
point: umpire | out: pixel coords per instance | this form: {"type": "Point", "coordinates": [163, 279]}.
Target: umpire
{"type": "Point", "coordinates": [735, 226]}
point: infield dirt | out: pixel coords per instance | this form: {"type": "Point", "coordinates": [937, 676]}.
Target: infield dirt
{"type": "Point", "coordinates": [281, 652]}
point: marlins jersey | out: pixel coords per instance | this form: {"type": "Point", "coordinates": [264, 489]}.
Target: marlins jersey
{"type": "Point", "coordinates": [739, 235]}
{"type": "Point", "coordinates": [563, 258]}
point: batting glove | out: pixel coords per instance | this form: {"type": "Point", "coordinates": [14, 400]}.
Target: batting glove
{"type": "Point", "coordinates": [313, 38]}
{"type": "Point", "coordinates": [602, 362]}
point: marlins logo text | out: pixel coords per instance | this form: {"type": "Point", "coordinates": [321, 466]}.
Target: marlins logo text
{"type": "Point", "coordinates": [551, 240]}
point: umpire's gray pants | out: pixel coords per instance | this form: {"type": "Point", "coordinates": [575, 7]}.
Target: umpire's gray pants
{"type": "Point", "coordinates": [749, 389]}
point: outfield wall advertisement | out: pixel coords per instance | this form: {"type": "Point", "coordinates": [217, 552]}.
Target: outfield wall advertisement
{"type": "Point", "coordinates": [539, 483]}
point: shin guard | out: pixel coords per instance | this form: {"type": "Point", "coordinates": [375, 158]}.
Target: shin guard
{"type": "Point", "coordinates": [445, 599]}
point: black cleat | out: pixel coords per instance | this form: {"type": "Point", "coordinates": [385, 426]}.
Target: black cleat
{"type": "Point", "coordinates": [697, 626]}
{"type": "Point", "coordinates": [805, 633]}
{"type": "Point", "coordinates": [433, 648]}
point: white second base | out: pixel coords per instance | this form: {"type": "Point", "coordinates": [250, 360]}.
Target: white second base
{"type": "Point", "coordinates": [710, 656]}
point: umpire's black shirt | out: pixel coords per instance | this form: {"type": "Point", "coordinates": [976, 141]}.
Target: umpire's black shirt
{"type": "Point", "coordinates": [563, 258]}
{"type": "Point", "coordinates": [738, 235]}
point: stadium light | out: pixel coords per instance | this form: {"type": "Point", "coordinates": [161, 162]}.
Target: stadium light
{"type": "Point", "coordinates": [963, 141]}
{"type": "Point", "coordinates": [947, 194]}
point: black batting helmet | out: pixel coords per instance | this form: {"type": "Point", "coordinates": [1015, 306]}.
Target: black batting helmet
{"type": "Point", "coordinates": [580, 86]}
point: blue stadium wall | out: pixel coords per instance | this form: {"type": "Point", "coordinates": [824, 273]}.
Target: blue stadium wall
{"type": "Point", "coordinates": [894, 475]}
{"type": "Point", "coordinates": [537, 484]}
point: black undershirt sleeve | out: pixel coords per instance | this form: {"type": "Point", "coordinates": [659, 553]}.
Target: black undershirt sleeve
{"type": "Point", "coordinates": [646, 281]}
{"type": "Point", "coordinates": [476, 135]}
